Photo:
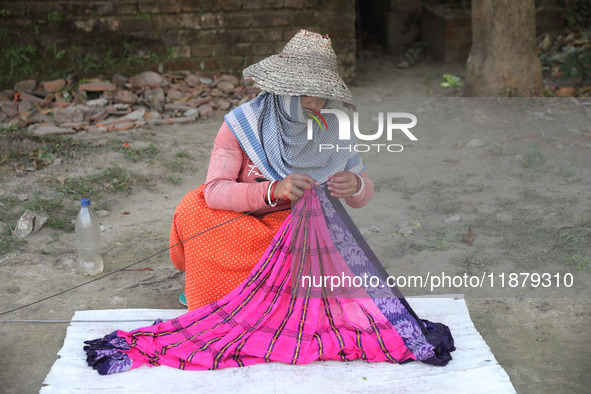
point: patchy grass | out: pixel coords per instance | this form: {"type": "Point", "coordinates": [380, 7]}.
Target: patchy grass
{"type": "Point", "coordinates": [439, 198]}
{"type": "Point", "coordinates": [534, 196]}
{"type": "Point", "coordinates": [389, 183]}
{"type": "Point", "coordinates": [111, 180]}
{"type": "Point", "coordinates": [149, 153]}
{"type": "Point", "coordinates": [505, 203]}
{"type": "Point", "coordinates": [184, 155]}
{"type": "Point", "coordinates": [572, 242]}
{"type": "Point", "coordinates": [60, 214]}
{"type": "Point", "coordinates": [180, 165]}
{"type": "Point", "coordinates": [535, 242]}
{"type": "Point", "coordinates": [438, 245]}
{"type": "Point", "coordinates": [475, 189]}
{"type": "Point", "coordinates": [10, 242]}
{"type": "Point", "coordinates": [23, 152]}
{"type": "Point", "coordinates": [440, 204]}
{"type": "Point", "coordinates": [8, 209]}
{"type": "Point", "coordinates": [534, 158]}
{"type": "Point", "coordinates": [475, 262]}
{"type": "Point", "coordinates": [398, 184]}
{"type": "Point", "coordinates": [568, 173]}
{"type": "Point", "coordinates": [560, 205]}
{"type": "Point", "coordinates": [9, 216]}
{"type": "Point", "coordinates": [174, 179]}
{"type": "Point", "coordinates": [60, 217]}
{"type": "Point", "coordinates": [497, 151]}
{"type": "Point", "coordinates": [579, 263]}
{"type": "Point", "coordinates": [25, 55]}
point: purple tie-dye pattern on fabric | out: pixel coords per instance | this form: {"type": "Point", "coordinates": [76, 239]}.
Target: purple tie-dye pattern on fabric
{"type": "Point", "coordinates": [406, 325]}
{"type": "Point", "coordinates": [106, 354]}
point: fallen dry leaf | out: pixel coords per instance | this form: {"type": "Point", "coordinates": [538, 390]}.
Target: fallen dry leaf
{"type": "Point", "coordinates": [565, 91]}
{"type": "Point", "coordinates": [469, 237]}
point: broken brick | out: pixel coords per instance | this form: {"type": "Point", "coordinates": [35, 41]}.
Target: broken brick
{"type": "Point", "coordinates": [99, 115]}
{"type": "Point", "coordinates": [97, 87]}
{"type": "Point", "coordinates": [72, 114]}
{"type": "Point", "coordinates": [51, 130]}
{"type": "Point", "coordinates": [119, 80]}
{"type": "Point", "coordinates": [77, 126]}
{"type": "Point", "coordinates": [148, 78]}
{"type": "Point", "coordinates": [53, 86]}
{"type": "Point", "coordinates": [226, 87]}
{"type": "Point", "coordinates": [9, 108]}
{"type": "Point", "coordinates": [205, 111]}
{"type": "Point", "coordinates": [155, 98]}
{"type": "Point", "coordinates": [223, 104]}
{"type": "Point", "coordinates": [175, 95]}
{"type": "Point", "coordinates": [196, 102]}
{"type": "Point", "coordinates": [125, 97]}
{"type": "Point", "coordinates": [229, 78]}
{"type": "Point", "coordinates": [25, 86]}
{"type": "Point", "coordinates": [25, 105]}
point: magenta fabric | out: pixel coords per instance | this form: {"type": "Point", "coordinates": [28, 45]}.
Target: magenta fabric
{"type": "Point", "coordinates": [265, 320]}
{"type": "Point", "coordinates": [261, 322]}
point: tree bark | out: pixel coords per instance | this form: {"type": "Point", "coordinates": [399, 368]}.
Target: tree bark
{"type": "Point", "coordinates": [503, 59]}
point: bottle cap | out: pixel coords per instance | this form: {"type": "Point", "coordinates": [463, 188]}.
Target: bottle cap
{"type": "Point", "coordinates": [85, 202]}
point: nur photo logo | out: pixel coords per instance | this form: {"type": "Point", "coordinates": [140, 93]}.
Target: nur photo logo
{"type": "Point", "coordinates": [392, 123]}
{"type": "Point", "coordinates": [316, 116]}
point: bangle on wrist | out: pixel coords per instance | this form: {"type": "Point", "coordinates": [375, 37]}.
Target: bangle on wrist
{"type": "Point", "coordinates": [361, 186]}
{"type": "Point", "coordinates": [269, 192]}
{"type": "Point", "coordinates": [273, 192]}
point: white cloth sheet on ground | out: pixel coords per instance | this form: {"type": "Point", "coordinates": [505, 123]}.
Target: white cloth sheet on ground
{"type": "Point", "coordinates": [473, 367]}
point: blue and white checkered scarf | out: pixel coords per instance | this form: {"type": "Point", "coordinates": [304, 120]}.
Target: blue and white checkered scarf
{"type": "Point", "coordinates": [273, 131]}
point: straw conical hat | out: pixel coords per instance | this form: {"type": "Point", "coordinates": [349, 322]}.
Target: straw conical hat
{"type": "Point", "coordinates": [307, 66]}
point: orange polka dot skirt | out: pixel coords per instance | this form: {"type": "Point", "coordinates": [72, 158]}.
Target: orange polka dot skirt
{"type": "Point", "coordinates": [218, 260]}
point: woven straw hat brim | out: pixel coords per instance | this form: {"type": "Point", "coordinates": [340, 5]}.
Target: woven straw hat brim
{"type": "Point", "coordinates": [282, 75]}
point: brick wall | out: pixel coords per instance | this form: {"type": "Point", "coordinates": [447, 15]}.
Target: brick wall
{"type": "Point", "coordinates": [205, 35]}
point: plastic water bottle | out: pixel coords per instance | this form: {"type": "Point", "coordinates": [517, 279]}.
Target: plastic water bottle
{"type": "Point", "coordinates": [89, 240]}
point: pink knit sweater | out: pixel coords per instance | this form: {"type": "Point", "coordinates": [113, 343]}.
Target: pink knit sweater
{"type": "Point", "coordinates": [234, 183]}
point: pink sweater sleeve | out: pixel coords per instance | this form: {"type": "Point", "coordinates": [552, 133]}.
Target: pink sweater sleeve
{"type": "Point", "coordinates": [222, 190]}
{"type": "Point", "coordinates": [362, 199]}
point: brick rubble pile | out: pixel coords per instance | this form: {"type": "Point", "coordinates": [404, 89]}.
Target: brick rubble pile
{"type": "Point", "coordinates": [98, 106]}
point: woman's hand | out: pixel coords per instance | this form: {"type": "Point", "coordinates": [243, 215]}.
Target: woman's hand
{"type": "Point", "coordinates": [343, 184]}
{"type": "Point", "coordinates": [292, 187]}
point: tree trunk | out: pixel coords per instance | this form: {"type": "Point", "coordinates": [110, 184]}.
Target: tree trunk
{"type": "Point", "coordinates": [503, 59]}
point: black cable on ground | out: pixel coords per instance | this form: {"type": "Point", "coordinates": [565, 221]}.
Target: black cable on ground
{"type": "Point", "coordinates": [124, 268]}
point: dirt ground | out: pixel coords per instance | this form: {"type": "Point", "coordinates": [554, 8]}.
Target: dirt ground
{"type": "Point", "coordinates": [523, 187]}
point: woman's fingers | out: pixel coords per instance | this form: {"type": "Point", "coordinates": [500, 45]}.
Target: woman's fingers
{"type": "Point", "coordinates": [292, 187]}
{"type": "Point", "coordinates": [304, 178]}
{"type": "Point", "coordinates": [343, 184]}
{"type": "Point", "coordinates": [303, 181]}
{"type": "Point", "coordinates": [300, 183]}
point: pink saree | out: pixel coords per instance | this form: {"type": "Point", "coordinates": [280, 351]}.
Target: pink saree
{"type": "Point", "coordinates": [278, 316]}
